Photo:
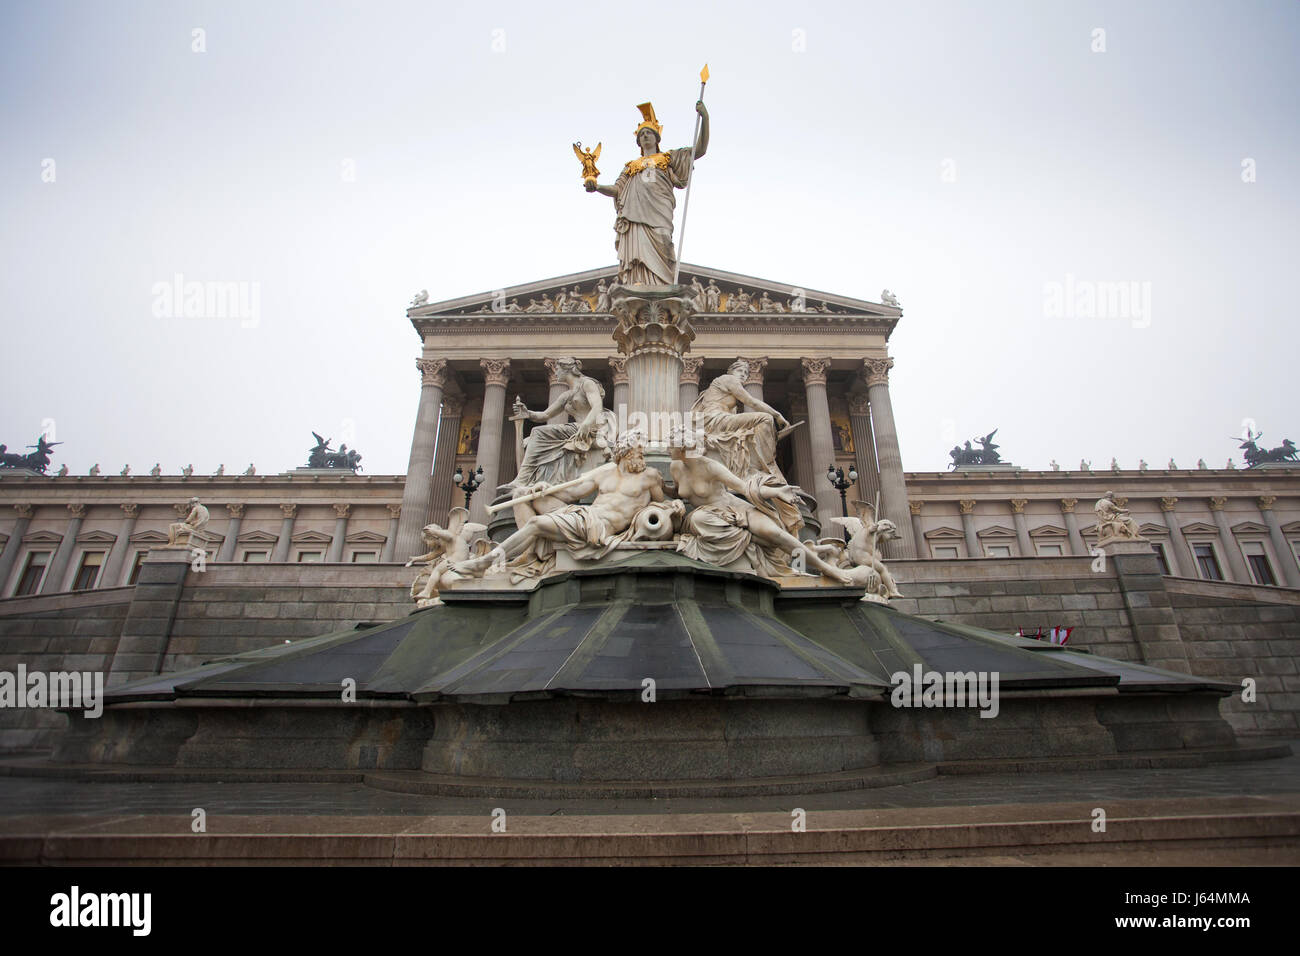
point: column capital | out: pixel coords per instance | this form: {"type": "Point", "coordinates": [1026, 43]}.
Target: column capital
{"type": "Point", "coordinates": [130, 510]}
{"type": "Point", "coordinates": [432, 371]}
{"type": "Point", "coordinates": [1067, 505]}
{"type": "Point", "coordinates": [967, 505]}
{"type": "Point", "coordinates": [78, 511]}
{"type": "Point", "coordinates": [1121, 500]}
{"type": "Point", "coordinates": [496, 371]}
{"type": "Point", "coordinates": [756, 369]}
{"type": "Point", "coordinates": [916, 507]}
{"type": "Point", "coordinates": [181, 511]}
{"type": "Point", "coordinates": [24, 510]}
{"type": "Point", "coordinates": [289, 510]}
{"type": "Point", "coordinates": [691, 367]}
{"type": "Point", "coordinates": [452, 405]}
{"type": "Point", "coordinates": [342, 510]}
{"type": "Point", "coordinates": [619, 367]}
{"type": "Point", "coordinates": [1168, 504]}
{"type": "Point", "coordinates": [1018, 505]}
{"type": "Point", "coordinates": [877, 370]}
{"type": "Point", "coordinates": [394, 510]}
{"type": "Point", "coordinates": [236, 510]}
{"type": "Point", "coordinates": [1216, 503]}
{"type": "Point", "coordinates": [1266, 502]}
{"type": "Point", "coordinates": [814, 370]}
{"type": "Point", "coordinates": [552, 371]}
{"type": "Point", "coordinates": [859, 404]}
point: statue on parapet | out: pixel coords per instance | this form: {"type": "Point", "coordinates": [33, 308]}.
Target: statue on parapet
{"type": "Point", "coordinates": [558, 452]}
{"type": "Point", "coordinates": [446, 547]}
{"type": "Point", "coordinates": [644, 201]}
{"type": "Point", "coordinates": [862, 555]}
{"type": "Point", "coordinates": [1114, 521]}
{"type": "Point", "coordinates": [322, 456]}
{"type": "Point", "coordinates": [37, 461]}
{"type": "Point", "coordinates": [180, 534]}
{"type": "Point", "coordinates": [622, 487]}
{"type": "Point", "coordinates": [755, 518]}
{"type": "Point", "coordinates": [743, 441]}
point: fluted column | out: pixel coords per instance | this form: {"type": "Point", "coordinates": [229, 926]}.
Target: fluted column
{"type": "Point", "coordinates": [819, 434]}
{"type": "Point", "coordinates": [496, 374]}
{"type": "Point", "coordinates": [805, 471]}
{"type": "Point", "coordinates": [113, 576]}
{"type": "Point", "coordinates": [1236, 562]}
{"type": "Point", "coordinates": [557, 388]}
{"type": "Point", "coordinates": [973, 549]}
{"type": "Point", "coordinates": [387, 556]}
{"type": "Point", "coordinates": [335, 553]}
{"type": "Point", "coordinates": [285, 541]}
{"type": "Point", "coordinates": [509, 460]}
{"type": "Point", "coordinates": [893, 489]}
{"type": "Point", "coordinates": [688, 389]}
{"type": "Point", "coordinates": [618, 366]}
{"type": "Point", "coordinates": [1181, 560]}
{"type": "Point", "coordinates": [419, 470]}
{"type": "Point", "coordinates": [1022, 527]}
{"type": "Point", "coordinates": [227, 552]}
{"type": "Point", "coordinates": [1077, 547]}
{"type": "Point", "coordinates": [917, 534]}
{"type": "Point", "coordinates": [754, 380]}
{"type": "Point", "coordinates": [444, 468]}
{"type": "Point", "coordinates": [864, 451]}
{"type": "Point", "coordinates": [59, 565]}
{"type": "Point", "coordinates": [1285, 556]}
{"type": "Point", "coordinates": [14, 545]}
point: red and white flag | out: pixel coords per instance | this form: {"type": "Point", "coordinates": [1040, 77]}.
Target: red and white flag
{"type": "Point", "coordinates": [1060, 635]}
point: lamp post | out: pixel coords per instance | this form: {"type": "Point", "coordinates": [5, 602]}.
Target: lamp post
{"type": "Point", "coordinates": [836, 477]}
{"type": "Point", "coordinates": [468, 485]}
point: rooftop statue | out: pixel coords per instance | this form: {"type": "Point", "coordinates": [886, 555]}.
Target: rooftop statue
{"type": "Point", "coordinates": [743, 441]}
{"type": "Point", "coordinates": [181, 533]}
{"type": "Point", "coordinates": [888, 298]}
{"type": "Point", "coordinates": [987, 454]}
{"type": "Point", "coordinates": [559, 452]}
{"type": "Point", "coordinates": [644, 201]}
{"type": "Point", "coordinates": [36, 461]}
{"type": "Point", "coordinates": [1254, 455]}
{"type": "Point", "coordinates": [1114, 521]}
{"type": "Point", "coordinates": [322, 456]}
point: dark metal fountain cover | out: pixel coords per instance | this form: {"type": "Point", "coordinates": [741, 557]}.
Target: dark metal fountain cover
{"type": "Point", "coordinates": [600, 633]}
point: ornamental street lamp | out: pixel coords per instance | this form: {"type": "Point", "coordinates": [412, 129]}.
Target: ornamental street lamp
{"type": "Point", "coordinates": [468, 485]}
{"type": "Point", "coordinates": [836, 477]}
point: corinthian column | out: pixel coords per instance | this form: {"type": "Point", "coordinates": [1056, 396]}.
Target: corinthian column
{"type": "Point", "coordinates": [1285, 556]}
{"type": "Point", "coordinates": [444, 467]}
{"type": "Point", "coordinates": [112, 572]}
{"type": "Point", "coordinates": [654, 331]}
{"type": "Point", "coordinates": [973, 549]}
{"type": "Point", "coordinates": [59, 565]}
{"type": "Point", "coordinates": [227, 552]}
{"type": "Point", "coordinates": [335, 553]}
{"type": "Point", "coordinates": [619, 367]}
{"type": "Point", "coordinates": [864, 450]}
{"type": "Point", "coordinates": [1022, 527]}
{"type": "Point", "coordinates": [282, 544]}
{"type": "Point", "coordinates": [419, 470]}
{"type": "Point", "coordinates": [1072, 526]}
{"type": "Point", "coordinates": [819, 434]}
{"type": "Point", "coordinates": [689, 382]}
{"type": "Point", "coordinates": [893, 489]}
{"type": "Point", "coordinates": [917, 534]}
{"type": "Point", "coordinates": [557, 389]}
{"type": "Point", "coordinates": [754, 380]}
{"type": "Point", "coordinates": [390, 542]}
{"type": "Point", "coordinates": [14, 544]}
{"type": "Point", "coordinates": [496, 375]}
{"type": "Point", "coordinates": [1236, 563]}
{"type": "Point", "coordinates": [1181, 560]}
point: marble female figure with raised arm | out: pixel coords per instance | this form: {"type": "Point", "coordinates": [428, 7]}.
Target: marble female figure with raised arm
{"type": "Point", "coordinates": [743, 441]}
{"type": "Point", "coordinates": [559, 452]}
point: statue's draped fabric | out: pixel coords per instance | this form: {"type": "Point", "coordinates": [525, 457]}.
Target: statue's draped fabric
{"type": "Point", "coordinates": [644, 227]}
{"type": "Point", "coordinates": [718, 534]}
{"type": "Point", "coordinates": [743, 441]}
{"type": "Point", "coordinates": [555, 453]}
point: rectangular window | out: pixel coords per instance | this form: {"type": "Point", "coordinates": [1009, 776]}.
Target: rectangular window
{"type": "Point", "coordinates": [136, 563]}
{"type": "Point", "coordinates": [1206, 563]}
{"type": "Point", "coordinates": [1159, 549]}
{"type": "Point", "coordinates": [32, 574]}
{"type": "Point", "coordinates": [997, 550]}
{"type": "Point", "coordinates": [1260, 569]}
{"type": "Point", "coordinates": [365, 557]}
{"type": "Point", "coordinates": [1050, 550]}
{"type": "Point", "coordinates": [88, 571]}
{"type": "Point", "coordinates": [945, 552]}
{"type": "Point", "coordinates": [257, 557]}
{"type": "Point", "coordinates": [311, 557]}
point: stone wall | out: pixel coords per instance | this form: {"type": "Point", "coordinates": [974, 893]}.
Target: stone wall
{"type": "Point", "coordinates": [65, 632]}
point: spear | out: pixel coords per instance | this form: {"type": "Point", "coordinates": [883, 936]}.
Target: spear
{"type": "Point", "coordinates": [690, 170]}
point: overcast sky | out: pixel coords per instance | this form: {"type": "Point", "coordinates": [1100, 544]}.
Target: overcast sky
{"type": "Point", "coordinates": [343, 156]}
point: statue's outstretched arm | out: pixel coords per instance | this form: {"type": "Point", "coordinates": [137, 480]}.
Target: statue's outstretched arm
{"type": "Point", "coordinates": [702, 143]}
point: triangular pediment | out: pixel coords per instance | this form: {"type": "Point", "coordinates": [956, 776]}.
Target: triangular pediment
{"type": "Point", "coordinates": [1048, 531]}
{"type": "Point", "coordinates": [1292, 527]}
{"type": "Point", "coordinates": [366, 537]}
{"type": "Point", "coordinates": [96, 537]}
{"type": "Point", "coordinates": [1249, 527]}
{"type": "Point", "coordinates": [1199, 527]}
{"type": "Point", "coordinates": [311, 537]}
{"type": "Point", "coordinates": [257, 537]}
{"type": "Point", "coordinates": [147, 537]}
{"type": "Point", "coordinates": [939, 534]}
{"type": "Point", "coordinates": [551, 300]}
{"type": "Point", "coordinates": [997, 531]}
{"type": "Point", "coordinates": [1151, 530]}
{"type": "Point", "coordinates": [42, 537]}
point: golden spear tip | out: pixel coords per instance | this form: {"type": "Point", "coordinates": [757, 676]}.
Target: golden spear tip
{"type": "Point", "coordinates": [704, 74]}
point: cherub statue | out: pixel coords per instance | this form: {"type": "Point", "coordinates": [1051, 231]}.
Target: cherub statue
{"type": "Point", "coordinates": [1201, 465]}
{"type": "Point", "coordinates": [187, 471]}
{"type": "Point", "coordinates": [862, 552]}
{"type": "Point", "coordinates": [126, 471]}
{"type": "Point", "coordinates": [1114, 464]}
{"type": "Point", "coordinates": [62, 472]}
{"type": "Point", "coordinates": [1172, 466]}
{"type": "Point", "coordinates": [221, 470]}
{"type": "Point", "coordinates": [1232, 465]}
{"type": "Point", "coordinates": [94, 470]}
{"type": "Point", "coordinates": [156, 470]}
{"type": "Point", "coordinates": [1054, 465]}
{"type": "Point", "coordinates": [588, 160]}
{"type": "Point", "coordinates": [1085, 465]}
{"type": "Point", "coordinates": [1142, 464]}
{"type": "Point", "coordinates": [445, 547]}
{"type": "Point", "coordinates": [250, 471]}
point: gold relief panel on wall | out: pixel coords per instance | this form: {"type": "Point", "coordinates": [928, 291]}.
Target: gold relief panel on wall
{"type": "Point", "coordinates": [841, 435]}
{"type": "Point", "coordinates": [467, 444]}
